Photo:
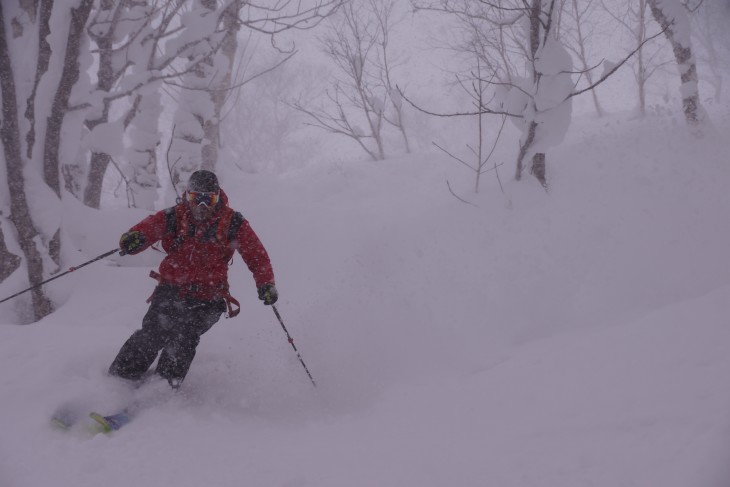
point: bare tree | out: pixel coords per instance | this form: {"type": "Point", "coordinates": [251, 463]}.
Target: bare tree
{"type": "Point", "coordinates": [60, 108]}
{"type": "Point", "coordinates": [510, 34]}
{"type": "Point", "coordinates": [201, 94]}
{"type": "Point", "coordinates": [219, 90]}
{"type": "Point", "coordinates": [650, 57]}
{"type": "Point", "coordinates": [388, 19]}
{"type": "Point", "coordinates": [524, 95]}
{"type": "Point", "coordinates": [674, 21]}
{"type": "Point", "coordinates": [43, 15]}
{"type": "Point", "coordinates": [20, 214]}
{"type": "Point", "coordinates": [141, 44]}
{"type": "Point", "coordinates": [141, 120]}
{"type": "Point", "coordinates": [476, 89]}
{"type": "Point", "coordinates": [362, 97]}
{"type": "Point", "coordinates": [132, 62]}
{"type": "Point", "coordinates": [105, 30]}
{"type": "Point", "coordinates": [709, 23]}
{"type": "Point", "coordinates": [578, 36]}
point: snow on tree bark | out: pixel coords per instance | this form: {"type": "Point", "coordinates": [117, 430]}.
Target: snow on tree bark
{"type": "Point", "coordinates": [107, 73]}
{"type": "Point", "coordinates": [547, 113]}
{"type": "Point", "coordinates": [672, 18]}
{"type": "Point", "coordinates": [195, 106]}
{"type": "Point", "coordinates": [141, 154]}
{"type": "Point", "coordinates": [9, 262]}
{"type": "Point", "coordinates": [44, 58]}
{"type": "Point", "coordinates": [69, 76]}
{"type": "Point", "coordinates": [223, 67]}
{"type": "Point", "coordinates": [20, 213]}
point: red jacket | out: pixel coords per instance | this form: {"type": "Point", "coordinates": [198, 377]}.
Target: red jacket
{"type": "Point", "coordinates": [198, 254]}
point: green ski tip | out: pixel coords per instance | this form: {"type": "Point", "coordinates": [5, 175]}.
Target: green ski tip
{"type": "Point", "coordinates": [102, 424]}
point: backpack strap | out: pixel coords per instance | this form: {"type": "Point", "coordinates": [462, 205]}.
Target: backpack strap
{"type": "Point", "coordinates": [234, 226]}
{"type": "Point", "coordinates": [170, 220]}
{"type": "Point", "coordinates": [230, 303]}
{"type": "Point", "coordinates": [228, 225]}
{"type": "Point", "coordinates": [224, 222]}
{"type": "Point", "coordinates": [176, 223]}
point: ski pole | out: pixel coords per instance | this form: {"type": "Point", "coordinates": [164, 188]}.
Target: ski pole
{"type": "Point", "coordinates": [71, 269]}
{"type": "Point", "coordinates": [291, 340]}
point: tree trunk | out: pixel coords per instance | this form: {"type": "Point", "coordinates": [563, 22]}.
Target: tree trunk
{"type": "Point", "coordinates": [19, 211]}
{"type": "Point", "coordinates": [59, 108]}
{"type": "Point", "coordinates": [582, 50]}
{"type": "Point", "coordinates": [105, 74]}
{"type": "Point", "coordinates": [641, 77]}
{"type": "Point", "coordinates": [211, 128]}
{"type": "Point", "coordinates": [95, 181]}
{"type": "Point", "coordinates": [194, 105]}
{"type": "Point", "coordinates": [141, 125]}
{"type": "Point", "coordinates": [9, 262]}
{"type": "Point", "coordinates": [539, 165]}
{"type": "Point", "coordinates": [44, 59]}
{"type": "Point", "coordinates": [685, 63]}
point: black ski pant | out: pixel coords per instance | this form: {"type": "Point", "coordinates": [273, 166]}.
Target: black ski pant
{"type": "Point", "coordinates": [172, 324]}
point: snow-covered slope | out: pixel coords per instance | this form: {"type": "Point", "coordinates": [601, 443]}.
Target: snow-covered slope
{"type": "Point", "coordinates": [573, 339]}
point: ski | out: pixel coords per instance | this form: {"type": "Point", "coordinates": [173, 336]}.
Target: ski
{"type": "Point", "coordinates": [107, 424]}
{"type": "Point", "coordinates": [63, 420]}
{"type": "Point", "coordinates": [66, 419]}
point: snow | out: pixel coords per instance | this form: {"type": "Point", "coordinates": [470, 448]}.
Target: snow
{"type": "Point", "coordinates": [106, 137]}
{"type": "Point", "coordinates": [43, 204]}
{"type": "Point", "coordinates": [573, 338]}
{"type": "Point", "coordinates": [676, 14]}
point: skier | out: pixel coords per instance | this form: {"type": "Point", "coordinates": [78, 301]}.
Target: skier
{"type": "Point", "coordinates": [200, 235]}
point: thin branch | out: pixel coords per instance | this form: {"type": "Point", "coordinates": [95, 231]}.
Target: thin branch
{"type": "Point", "coordinates": [167, 158]}
{"type": "Point", "coordinates": [496, 140]}
{"type": "Point", "coordinates": [457, 197]}
{"type": "Point", "coordinates": [130, 204]}
{"type": "Point", "coordinates": [454, 157]}
{"type": "Point", "coordinates": [615, 68]}
{"type": "Point", "coordinates": [457, 114]}
{"type": "Point", "coordinates": [493, 168]}
{"type": "Point", "coordinates": [237, 85]}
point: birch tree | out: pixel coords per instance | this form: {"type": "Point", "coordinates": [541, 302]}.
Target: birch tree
{"type": "Point", "coordinates": [135, 48]}
{"type": "Point", "coordinates": [635, 18]}
{"type": "Point", "coordinates": [20, 215]}
{"type": "Point", "coordinates": [202, 93]}
{"type": "Point", "coordinates": [578, 36]}
{"type": "Point", "coordinates": [32, 175]}
{"type": "Point", "coordinates": [709, 25]}
{"type": "Point", "coordinates": [528, 67]}
{"type": "Point", "coordinates": [112, 24]}
{"type": "Point", "coordinates": [531, 71]}
{"type": "Point", "coordinates": [191, 47]}
{"type": "Point", "coordinates": [674, 21]}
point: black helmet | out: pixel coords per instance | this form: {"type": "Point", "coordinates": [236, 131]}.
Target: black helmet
{"type": "Point", "coordinates": [203, 181]}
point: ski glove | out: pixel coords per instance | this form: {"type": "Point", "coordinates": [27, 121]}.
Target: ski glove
{"type": "Point", "coordinates": [132, 242]}
{"type": "Point", "coordinates": [268, 294]}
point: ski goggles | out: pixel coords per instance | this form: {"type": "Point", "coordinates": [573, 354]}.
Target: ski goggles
{"type": "Point", "coordinates": [197, 198]}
